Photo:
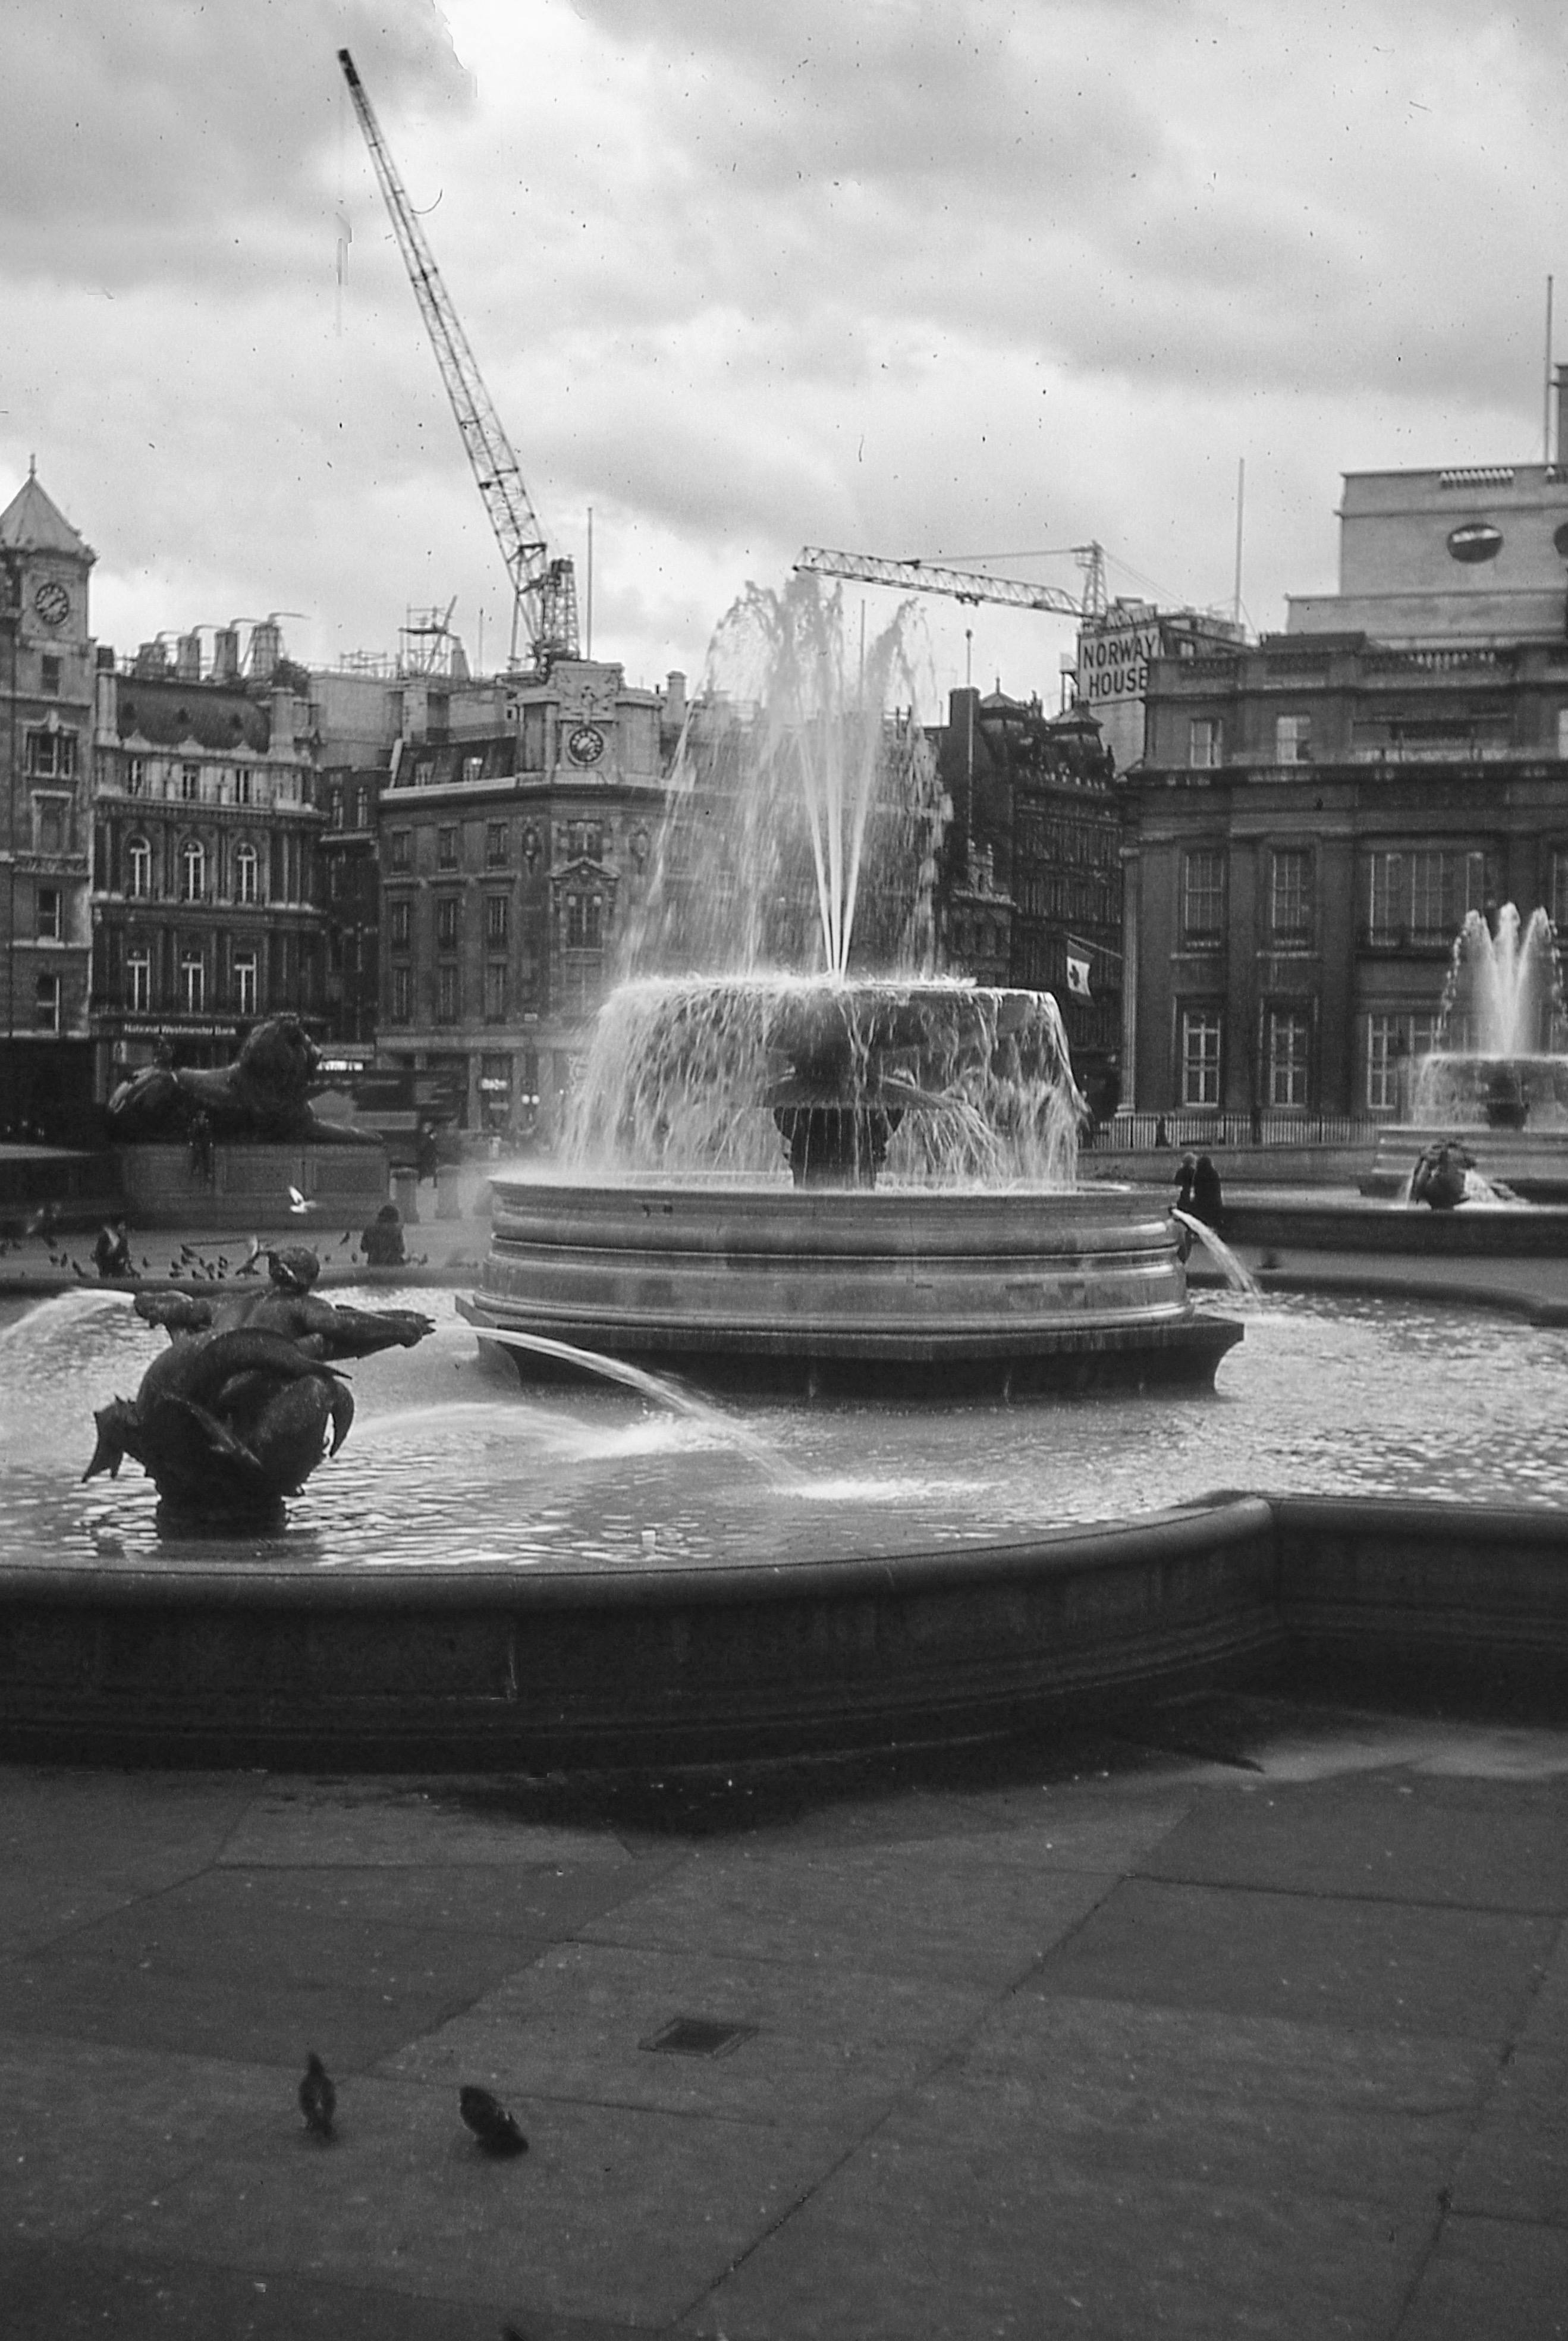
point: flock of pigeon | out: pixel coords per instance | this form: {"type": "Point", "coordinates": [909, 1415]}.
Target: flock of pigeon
{"type": "Point", "coordinates": [196, 1263]}
{"type": "Point", "coordinates": [496, 2130]}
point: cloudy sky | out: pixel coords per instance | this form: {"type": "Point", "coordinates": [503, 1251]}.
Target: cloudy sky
{"type": "Point", "coordinates": [954, 278]}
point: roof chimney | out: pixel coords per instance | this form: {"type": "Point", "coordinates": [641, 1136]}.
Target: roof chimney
{"type": "Point", "coordinates": [188, 658]}
{"type": "Point", "coordinates": [226, 654]}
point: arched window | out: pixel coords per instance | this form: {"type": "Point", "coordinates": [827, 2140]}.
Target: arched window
{"type": "Point", "coordinates": [138, 866]}
{"type": "Point", "coordinates": [245, 874]}
{"type": "Point", "coordinates": [192, 870]}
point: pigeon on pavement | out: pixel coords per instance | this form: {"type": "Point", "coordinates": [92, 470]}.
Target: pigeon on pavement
{"type": "Point", "coordinates": [318, 2098]}
{"type": "Point", "coordinates": [487, 2118]}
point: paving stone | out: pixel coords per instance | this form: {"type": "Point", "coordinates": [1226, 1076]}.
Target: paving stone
{"type": "Point", "coordinates": [297, 1820]}
{"type": "Point", "coordinates": [444, 1924]}
{"type": "Point", "coordinates": [613, 2213]}
{"type": "Point", "coordinates": [137, 2299]}
{"type": "Point", "coordinates": [76, 1846]}
{"type": "Point", "coordinates": [1515, 2166]}
{"type": "Point", "coordinates": [250, 2016]}
{"type": "Point", "coordinates": [1492, 2280]}
{"type": "Point", "coordinates": [1356, 1964]}
{"type": "Point", "coordinates": [979, 1915]}
{"type": "Point", "coordinates": [969, 2236]}
{"type": "Point", "coordinates": [1405, 1837]}
{"type": "Point", "coordinates": [82, 2125]}
{"type": "Point", "coordinates": [833, 2046]}
{"type": "Point", "coordinates": [1238, 2101]}
{"type": "Point", "coordinates": [1546, 2026]}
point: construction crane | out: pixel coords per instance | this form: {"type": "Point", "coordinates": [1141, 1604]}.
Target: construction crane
{"type": "Point", "coordinates": [966, 584]}
{"type": "Point", "coordinates": [544, 590]}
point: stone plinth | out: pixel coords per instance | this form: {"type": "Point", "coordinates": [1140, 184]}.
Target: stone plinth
{"type": "Point", "coordinates": [248, 1191]}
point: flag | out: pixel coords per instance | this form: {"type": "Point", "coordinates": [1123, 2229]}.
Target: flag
{"type": "Point", "coordinates": [1078, 977]}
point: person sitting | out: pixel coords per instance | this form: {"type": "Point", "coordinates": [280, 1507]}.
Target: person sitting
{"type": "Point", "coordinates": [111, 1252]}
{"type": "Point", "coordinates": [382, 1242]}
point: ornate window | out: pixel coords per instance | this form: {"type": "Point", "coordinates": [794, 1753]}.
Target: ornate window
{"type": "Point", "coordinates": [1200, 1046]}
{"type": "Point", "coordinates": [246, 874]}
{"type": "Point", "coordinates": [192, 983]}
{"type": "Point", "coordinates": [192, 871]}
{"type": "Point", "coordinates": [138, 867]}
{"type": "Point", "coordinates": [1203, 893]}
{"type": "Point", "coordinates": [190, 782]}
{"type": "Point", "coordinates": [1289, 1055]}
{"type": "Point", "coordinates": [50, 755]}
{"type": "Point", "coordinates": [245, 984]}
{"type": "Point", "coordinates": [46, 1004]}
{"type": "Point", "coordinates": [1290, 891]}
{"type": "Point", "coordinates": [139, 982]}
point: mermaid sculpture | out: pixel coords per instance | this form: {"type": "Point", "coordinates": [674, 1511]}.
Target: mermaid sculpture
{"type": "Point", "coordinates": [234, 1415]}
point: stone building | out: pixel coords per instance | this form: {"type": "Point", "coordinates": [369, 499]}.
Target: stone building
{"type": "Point", "coordinates": [1316, 814]}
{"type": "Point", "coordinates": [46, 736]}
{"type": "Point", "coordinates": [1030, 891]}
{"type": "Point", "coordinates": [205, 886]}
{"type": "Point", "coordinates": [510, 859]}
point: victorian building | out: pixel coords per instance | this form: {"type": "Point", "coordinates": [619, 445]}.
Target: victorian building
{"type": "Point", "coordinates": [206, 885]}
{"type": "Point", "coordinates": [1315, 815]}
{"type": "Point", "coordinates": [516, 829]}
{"type": "Point", "coordinates": [1030, 890]}
{"type": "Point", "coordinates": [45, 733]}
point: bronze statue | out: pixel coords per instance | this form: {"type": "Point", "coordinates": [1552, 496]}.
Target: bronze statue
{"type": "Point", "coordinates": [262, 1095]}
{"type": "Point", "coordinates": [234, 1415]}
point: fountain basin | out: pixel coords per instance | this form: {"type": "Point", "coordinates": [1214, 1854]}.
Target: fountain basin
{"type": "Point", "coordinates": [394, 1667]}
{"type": "Point", "coordinates": [893, 1292]}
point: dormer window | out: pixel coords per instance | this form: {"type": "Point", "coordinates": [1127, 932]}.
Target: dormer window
{"type": "Point", "coordinates": [190, 782]}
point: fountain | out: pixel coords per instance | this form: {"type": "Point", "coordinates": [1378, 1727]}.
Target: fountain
{"type": "Point", "coordinates": [1496, 1087]}
{"type": "Point", "coordinates": [494, 1573]}
{"type": "Point", "coordinates": [832, 1180]}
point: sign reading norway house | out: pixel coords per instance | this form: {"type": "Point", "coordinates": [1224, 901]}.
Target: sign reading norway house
{"type": "Point", "coordinates": [1115, 653]}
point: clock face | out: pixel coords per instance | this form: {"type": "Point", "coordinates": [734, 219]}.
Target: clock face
{"type": "Point", "coordinates": [585, 744]}
{"type": "Point", "coordinates": [52, 603]}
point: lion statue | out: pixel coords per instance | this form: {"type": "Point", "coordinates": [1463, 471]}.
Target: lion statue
{"type": "Point", "coordinates": [262, 1095]}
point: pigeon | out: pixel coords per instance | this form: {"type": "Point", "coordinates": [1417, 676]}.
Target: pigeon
{"type": "Point", "coordinates": [318, 2098]}
{"type": "Point", "coordinates": [297, 1203]}
{"type": "Point", "coordinates": [494, 2128]}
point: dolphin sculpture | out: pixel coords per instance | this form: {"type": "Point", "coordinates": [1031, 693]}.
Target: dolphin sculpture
{"type": "Point", "coordinates": [226, 1423]}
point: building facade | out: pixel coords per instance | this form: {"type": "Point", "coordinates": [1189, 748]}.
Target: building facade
{"type": "Point", "coordinates": [1030, 892]}
{"type": "Point", "coordinates": [511, 858]}
{"type": "Point", "coordinates": [1315, 819]}
{"type": "Point", "coordinates": [206, 891]}
{"type": "Point", "coordinates": [45, 740]}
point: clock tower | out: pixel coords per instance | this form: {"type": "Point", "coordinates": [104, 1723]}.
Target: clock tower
{"type": "Point", "coordinates": [46, 685]}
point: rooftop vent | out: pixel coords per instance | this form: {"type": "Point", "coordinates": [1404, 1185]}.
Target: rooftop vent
{"type": "Point", "coordinates": [1478, 475]}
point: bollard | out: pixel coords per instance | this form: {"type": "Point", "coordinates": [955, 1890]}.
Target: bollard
{"type": "Point", "coordinates": [447, 1206]}
{"type": "Point", "coordinates": [405, 1195]}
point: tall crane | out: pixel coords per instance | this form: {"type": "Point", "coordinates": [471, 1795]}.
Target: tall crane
{"type": "Point", "coordinates": [544, 590]}
{"type": "Point", "coordinates": [966, 584]}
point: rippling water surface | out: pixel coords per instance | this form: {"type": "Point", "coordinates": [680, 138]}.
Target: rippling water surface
{"type": "Point", "coordinates": [452, 1462]}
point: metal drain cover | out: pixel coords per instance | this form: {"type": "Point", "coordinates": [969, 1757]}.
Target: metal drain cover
{"type": "Point", "coordinates": [698, 2036]}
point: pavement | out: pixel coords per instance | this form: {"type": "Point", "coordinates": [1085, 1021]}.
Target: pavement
{"type": "Point", "coordinates": [1253, 2022]}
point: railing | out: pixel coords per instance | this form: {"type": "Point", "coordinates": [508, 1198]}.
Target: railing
{"type": "Point", "coordinates": [1200, 1133]}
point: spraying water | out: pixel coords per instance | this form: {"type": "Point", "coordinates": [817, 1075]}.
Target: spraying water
{"type": "Point", "coordinates": [805, 810]}
{"type": "Point", "coordinates": [1499, 1056]}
